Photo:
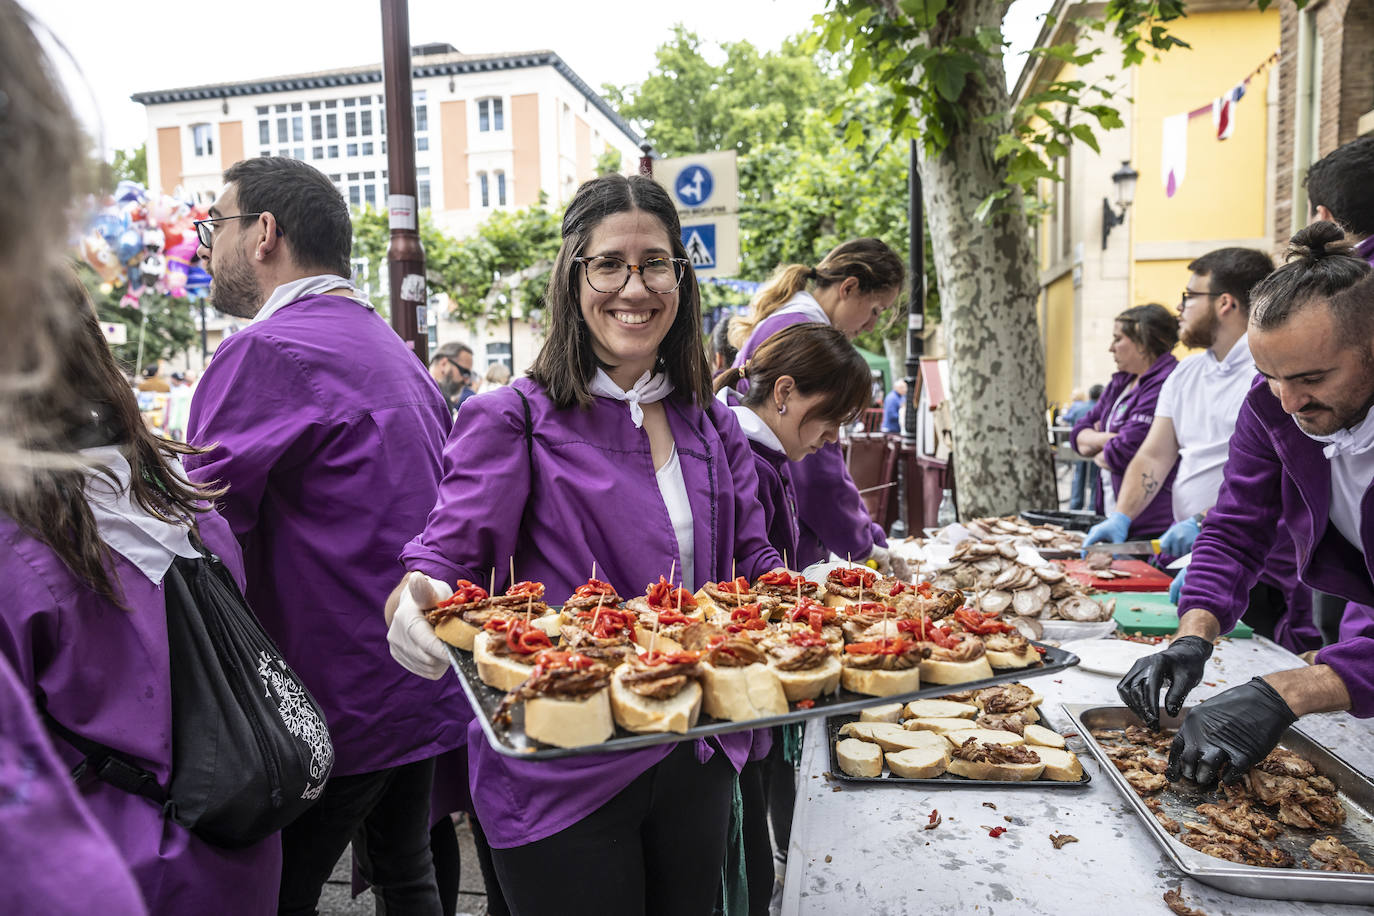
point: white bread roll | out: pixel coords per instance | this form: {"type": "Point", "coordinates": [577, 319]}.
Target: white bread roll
{"type": "Point", "coordinates": [498, 671]}
{"type": "Point", "coordinates": [834, 600]}
{"type": "Point", "coordinates": [645, 714]}
{"type": "Point", "coordinates": [549, 623]}
{"type": "Point", "coordinates": [457, 632]}
{"type": "Point", "coordinates": [891, 737]}
{"type": "Point", "coordinates": [1039, 734]}
{"type": "Point", "coordinates": [809, 683]}
{"type": "Point", "coordinates": [984, 736]}
{"type": "Point", "coordinates": [939, 726]}
{"type": "Point", "coordinates": [1003, 772]}
{"type": "Point", "coordinates": [918, 762]}
{"type": "Point", "coordinates": [570, 723]}
{"type": "Point", "coordinates": [934, 671]}
{"type": "Point", "coordinates": [741, 694]}
{"type": "Point", "coordinates": [861, 730]}
{"type": "Point", "coordinates": [940, 709]}
{"type": "Point", "coordinates": [1023, 659]}
{"type": "Point", "coordinates": [879, 683]}
{"type": "Point", "coordinates": [859, 758]}
{"type": "Point", "coordinates": [888, 712]}
{"type": "Point", "coordinates": [1060, 765]}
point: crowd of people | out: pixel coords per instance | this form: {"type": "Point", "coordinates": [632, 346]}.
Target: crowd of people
{"type": "Point", "coordinates": [341, 496]}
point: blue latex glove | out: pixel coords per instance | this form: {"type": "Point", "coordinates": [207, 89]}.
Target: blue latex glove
{"type": "Point", "coordinates": [1112, 531]}
{"type": "Point", "coordinates": [1176, 587]}
{"type": "Point", "coordinates": [1178, 540]}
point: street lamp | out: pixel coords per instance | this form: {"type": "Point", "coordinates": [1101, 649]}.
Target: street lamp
{"type": "Point", "coordinates": [1124, 178]}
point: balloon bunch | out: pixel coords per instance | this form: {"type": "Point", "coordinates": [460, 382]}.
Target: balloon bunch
{"type": "Point", "coordinates": [145, 243]}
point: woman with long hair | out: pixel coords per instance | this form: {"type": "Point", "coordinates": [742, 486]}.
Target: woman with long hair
{"type": "Point", "coordinates": [851, 286]}
{"type": "Point", "coordinates": [611, 452]}
{"type": "Point", "coordinates": [1143, 339]}
{"type": "Point", "coordinates": [83, 553]}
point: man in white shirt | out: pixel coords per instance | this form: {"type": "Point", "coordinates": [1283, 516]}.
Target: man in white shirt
{"type": "Point", "coordinates": [1193, 422]}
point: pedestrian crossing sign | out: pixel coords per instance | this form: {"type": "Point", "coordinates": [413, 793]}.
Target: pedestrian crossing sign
{"type": "Point", "coordinates": [700, 242]}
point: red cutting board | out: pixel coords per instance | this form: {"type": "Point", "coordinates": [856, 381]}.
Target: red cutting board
{"type": "Point", "coordinates": [1144, 577]}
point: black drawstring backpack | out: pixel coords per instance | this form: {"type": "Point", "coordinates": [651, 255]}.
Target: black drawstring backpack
{"type": "Point", "coordinates": [250, 748]}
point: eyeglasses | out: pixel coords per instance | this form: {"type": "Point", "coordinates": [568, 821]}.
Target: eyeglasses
{"type": "Point", "coordinates": [206, 232]}
{"type": "Point", "coordinates": [610, 275]}
{"type": "Point", "coordinates": [1194, 294]}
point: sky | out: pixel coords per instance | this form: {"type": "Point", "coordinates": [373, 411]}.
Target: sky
{"type": "Point", "coordinates": [114, 48]}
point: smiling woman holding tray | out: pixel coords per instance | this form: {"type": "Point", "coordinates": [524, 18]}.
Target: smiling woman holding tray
{"type": "Point", "coordinates": [612, 451]}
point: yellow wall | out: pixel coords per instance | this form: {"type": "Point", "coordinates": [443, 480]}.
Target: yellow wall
{"type": "Point", "coordinates": [1059, 338]}
{"type": "Point", "coordinates": [1160, 281]}
{"type": "Point", "coordinates": [1222, 195]}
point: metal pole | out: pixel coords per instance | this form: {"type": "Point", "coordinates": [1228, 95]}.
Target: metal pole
{"type": "Point", "coordinates": [405, 257]}
{"type": "Point", "coordinates": [915, 343]}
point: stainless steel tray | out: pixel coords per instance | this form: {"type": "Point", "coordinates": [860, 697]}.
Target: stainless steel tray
{"type": "Point", "coordinates": [944, 780]}
{"type": "Point", "coordinates": [1353, 788]}
{"type": "Point", "coordinates": [512, 740]}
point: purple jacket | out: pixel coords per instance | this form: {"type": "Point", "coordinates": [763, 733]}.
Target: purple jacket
{"type": "Point", "coordinates": [105, 674]}
{"type": "Point", "coordinates": [1130, 418]}
{"type": "Point", "coordinates": [1277, 477]}
{"type": "Point", "coordinates": [328, 432]}
{"type": "Point", "coordinates": [832, 514]}
{"type": "Point", "coordinates": [592, 496]}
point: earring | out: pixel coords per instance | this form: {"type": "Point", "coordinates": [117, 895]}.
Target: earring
{"type": "Point", "coordinates": [782, 409]}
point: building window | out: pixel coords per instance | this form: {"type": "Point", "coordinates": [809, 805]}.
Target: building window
{"type": "Point", "coordinates": [333, 152]}
{"type": "Point", "coordinates": [421, 118]}
{"type": "Point", "coordinates": [280, 109]}
{"type": "Point", "coordinates": [298, 152]}
{"type": "Point", "coordinates": [348, 103]}
{"type": "Point", "coordinates": [353, 176]}
{"type": "Point", "coordinates": [316, 127]}
{"type": "Point", "coordinates": [367, 149]}
{"type": "Point", "coordinates": [421, 144]}
{"type": "Point", "coordinates": [317, 152]}
{"type": "Point", "coordinates": [422, 187]}
{"type": "Point", "coordinates": [202, 140]}
{"type": "Point", "coordinates": [283, 130]}
{"type": "Point", "coordinates": [331, 103]}
{"type": "Point", "coordinates": [355, 196]}
{"type": "Point", "coordinates": [264, 133]}
{"type": "Point", "coordinates": [365, 122]}
{"type": "Point", "coordinates": [314, 106]}
{"type": "Point", "coordinates": [370, 194]}
{"type": "Point", "coordinates": [500, 189]}
{"type": "Point", "coordinates": [490, 115]}
{"type": "Point", "coordinates": [352, 149]}
{"type": "Point", "coordinates": [331, 126]}
{"type": "Point", "coordinates": [297, 129]}
{"type": "Point", "coordinates": [262, 109]}
{"type": "Point", "coordinates": [486, 194]}
{"type": "Point", "coordinates": [295, 106]}
{"type": "Point", "coordinates": [498, 351]}
{"type": "Point", "coordinates": [350, 124]}
{"type": "Point", "coordinates": [383, 147]}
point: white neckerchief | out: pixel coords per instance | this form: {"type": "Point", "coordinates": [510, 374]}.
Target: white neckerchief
{"type": "Point", "coordinates": [147, 542]}
{"type": "Point", "coordinates": [1356, 440]}
{"type": "Point", "coordinates": [755, 430]}
{"type": "Point", "coordinates": [648, 389]}
{"type": "Point", "coordinates": [288, 293]}
{"type": "Point", "coordinates": [803, 303]}
{"type": "Point", "coordinates": [1237, 358]}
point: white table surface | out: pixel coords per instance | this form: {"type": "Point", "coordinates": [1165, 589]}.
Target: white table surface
{"type": "Point", "coordinates": [861, 850]}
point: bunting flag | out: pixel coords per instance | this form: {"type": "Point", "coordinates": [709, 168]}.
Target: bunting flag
{"type": "Point", "coordinates": [1173, 159]}
{"type": "Point", "coordinates": [1224, 111]}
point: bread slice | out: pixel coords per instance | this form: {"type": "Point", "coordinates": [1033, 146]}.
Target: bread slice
{"type": "Point", "coordinates": [891, 737]}
{"type": "Point", "coordinates": [984, 736]}
{"type": "Point", "coordinates": [739, 694]}
{"type": "Point", "coordinates": [550, 623]}
{"type": "Point", "coordinates": [934, 671]}
{"type": "Point", "coordinates": [498, 671]}
{"type": "Point", "coordinates": [570, 723]}
{"type": "Point", "coordinates": [1060, 765]}
{"type": "Point", "coordinates": [1039, 734]}
{"type": "Point", "coordinates": [918, 762]}
{"type": "Point", "coordinates": [888, 712]}
{"type": "Point", "coordinates": [645, 714]}
{"type": "Point", "coordinates": [879, 683]}
{"type": "Point", "coordinates": [940, 709]}
{"type": "Point", "coordinates": [457, 632]}
{"type": "Point", "coordinates": [859, 758]}
{"type": "Point", "coordinates": [809, 683]}
{"type": "Point", "coordinates": [939, 726]}
{"type": "Point", "coordinates": [861, 730]}
{"type": "Point", "coordinates": [1003, 772]}
{"type": "Point", "coordinates": [1023, 659]}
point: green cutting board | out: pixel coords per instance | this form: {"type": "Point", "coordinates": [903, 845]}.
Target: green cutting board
{"type": "Point", "coordinates": [1153, 614]}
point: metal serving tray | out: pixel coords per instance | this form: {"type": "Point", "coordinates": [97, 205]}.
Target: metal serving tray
{"type": "Point", "coordinates": [512, 740]}
{"type": "Point", "coordinates": [1180, 799]}
{"type": "Point", "coordinates": [944, 780]}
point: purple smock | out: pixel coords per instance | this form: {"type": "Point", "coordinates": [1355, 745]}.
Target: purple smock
{"type": "Point", "coordinates": [582, 490]}
{"type": "Point", "coordinates": [328, 432]}
{"type": "Point", "coordinates": [105, 674]}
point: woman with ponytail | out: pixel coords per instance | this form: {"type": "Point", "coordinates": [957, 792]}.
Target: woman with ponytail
{"type": "Point", "coordinates": [851, 286]}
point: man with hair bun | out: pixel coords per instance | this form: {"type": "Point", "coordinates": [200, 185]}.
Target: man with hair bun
{"type": "Point", "coordinates": [1301, 459]}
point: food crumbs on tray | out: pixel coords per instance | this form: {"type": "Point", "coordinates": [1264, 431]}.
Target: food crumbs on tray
{"type": "Point", "coordinates": [995, 832]}
{"type": "Point", "coordinates": [1007, 818]}
{"type": "Point", "coordinates": [1174, 899]}
{"type": "Point", "coordinates": [989, 805]}
{"type": "Point", "coordinates": [1209, 683]}
{"type": "Point", "coordinates": [1059, 839]}
{"type": "Point", "coordinates": [935, 820]}
{"type": "Point", "coordinates": [827, 858]}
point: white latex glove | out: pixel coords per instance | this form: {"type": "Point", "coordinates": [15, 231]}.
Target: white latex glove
{"type": "Point", "coordinates": [411, 638]}
{"type": "Point", "coordinates": [882, 557]}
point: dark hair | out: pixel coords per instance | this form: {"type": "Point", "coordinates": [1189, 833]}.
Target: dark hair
{"type": "Point", "coordinates": [1341, 182]}
{"type": "Point", "coordinates": [1151, 327]}
{"type": "Point", "coordinates": [565, 364]}
{"type": "Point", "coordinates": [1321, 265]}
{"type": "Point", "coordinates": [104, 412]}
{"type": "Point", "coordinates": [720, 340]}
{"type": "Point", "coordinates": [819, 358]}
{"type": "Point", "coordinates": [1095, 392]}
{"type": "Point", "coordinates": [451, 350]}
{"type": "Point", "coordinates": [1234, 271]}
{"type": "Point", "coordinates": [871, 261]}
{"type": "Point", "coordinates": [310, 211]}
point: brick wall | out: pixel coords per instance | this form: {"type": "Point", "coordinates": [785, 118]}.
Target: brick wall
{"type": "Point", "coordinates": [1357, 75]}
{"type": "Point", "coordinates": [1287, 114]}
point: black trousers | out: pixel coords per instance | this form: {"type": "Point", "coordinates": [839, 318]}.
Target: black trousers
{"type": "Point", "coordinates": [758, 845]}
{"type": "Point", "coordinates": [1267, 605]}
{"type": "Point", "coordinates": [386, 816]}
{"type": "Point", "coordinates": [655, 849]}
{"type": "Point", "coordinates": [448, 866]}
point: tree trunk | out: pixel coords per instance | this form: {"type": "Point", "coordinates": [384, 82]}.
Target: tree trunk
{"type": "Point", "coordinates": [988, 293]}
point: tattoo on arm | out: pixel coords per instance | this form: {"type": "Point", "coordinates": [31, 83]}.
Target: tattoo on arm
{"type": "Point", "coordinates": [1149, 483]}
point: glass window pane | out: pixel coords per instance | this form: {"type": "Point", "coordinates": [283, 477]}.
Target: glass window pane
{"type": "Point", "coordinates": [370, 194]}
{"type": "Point", "coordinates": [283, 130]}
{"type": "Point", "coordinates": [297, 129]}
{"type": "Point", "coordinates": [367, 149]}
{"type": "Point", "coordinates": [316, 127]}
{"type": "Point", "coordinates": [264, 133]}
{"type": "Point", "coordinates": [497, 114]}
{"type": "Point", "coordinates": [333, 152]}
{"type": "Point", "coordinates": [421, 118]}
{"type": "Point", "coordinates": [501, 188]}
{"type": "Point", "coordinates": [421, 143]}
{"type": "Point", "coordinates": [355, 196]}
{"type": "Point", "coordinates": [351, 124]}
{"type": "Point", "coordinates": [352, 149]}
{"type": "Point", "coordinates": [317, 152]}
{"type": "Point", "coordinates": [423, 188]}
{"type": "Point", "coordinates": [331, 126]}
{"type": "Point", "coordinates": [483, 116]}
{"type": "Point", "coordinates": [365, 120]}
{"type": "Point", "coordinates": [482, 180]}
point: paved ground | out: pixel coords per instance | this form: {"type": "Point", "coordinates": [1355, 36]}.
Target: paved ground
{"type": "Point", "coordinates": [337, 899]}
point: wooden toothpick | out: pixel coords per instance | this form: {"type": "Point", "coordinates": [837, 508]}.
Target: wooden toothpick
{"type": "Point", "coordinates": [512, 572]}
{"type": "Point", "coordinates": [672, 569]}
{"type": "Point", "coordinates": [593, 569]}
{"type": "Point", "coordinates": [597, 616]}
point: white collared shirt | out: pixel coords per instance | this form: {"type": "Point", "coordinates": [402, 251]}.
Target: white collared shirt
{"type": "Point", "coordinates": [755, 430]}
{"type": "Point", "coordinates": [804, 303]}
{"type": "Point", "coordinates": [147, 542]}
{"type": "Point", "coordinates": [673, 487]}
{"type": "Point", "coordinates": [288, 293]}
{"type": "Point", "coordinates": [1203, 397]}
{"type": "Point", "coordinates": [1352, 471]}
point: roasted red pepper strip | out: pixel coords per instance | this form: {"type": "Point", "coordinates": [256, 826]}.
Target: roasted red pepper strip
{"type": "Point", "coordinates": [593, 588]}
{"type": "Point", "coordinates": [925, 589]}
{"type": "Point", "coordinates": [996, 832]}
{"type": "Point", "coordinates": [853, 576]}
{"type": "Point", "coordinates": [879, 647]}
{"type": "Point", "coordinates": [806, 704]}
{"type": "Point", "coordinates": [807, 638]}
{"type": "Point", "coordinates": [670, 658]}
{"type": "Point", "coordinates": [526, 589]}
{"type": "Point", "coordinates": [661, 594]}
{"type": "Point", "coordinates": [739, 586]}
{"type": "Point", "coordinates": [464, 592]}
{"type": "Point", "coordinates": [783, 578]}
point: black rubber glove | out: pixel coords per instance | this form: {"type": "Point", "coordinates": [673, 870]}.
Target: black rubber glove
{"type": "Point", "coordinates": [1229, 734]}
{"type": "Point", "coordinates": [1180, 665]}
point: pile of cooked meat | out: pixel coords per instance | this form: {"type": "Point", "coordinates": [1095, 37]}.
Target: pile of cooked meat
{"type": "Point", "coordinates": [1280, 797]}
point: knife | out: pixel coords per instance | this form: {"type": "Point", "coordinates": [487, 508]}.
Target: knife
{"type": "Point", "coordinates": [1134, 548]}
